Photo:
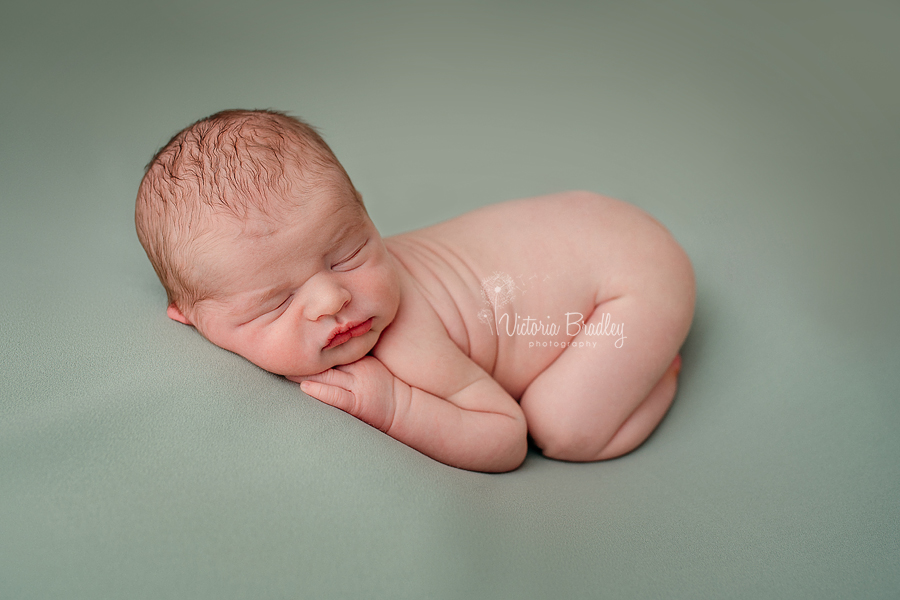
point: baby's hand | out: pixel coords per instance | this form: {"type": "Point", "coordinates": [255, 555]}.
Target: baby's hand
{"type": "Point", "coordinates": [365, 389]}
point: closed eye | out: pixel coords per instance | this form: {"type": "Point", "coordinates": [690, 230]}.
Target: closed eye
{"type": "Point", "coordinates": [265, 314]}
{"type": "Point", "coordinates": [282, 306]}
{"type": "Point", "coordinates": [347, 263]}
{"type": "Point", "coordinates": [271, 314]}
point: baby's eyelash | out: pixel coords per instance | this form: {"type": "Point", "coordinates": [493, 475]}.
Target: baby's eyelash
{"type": "Point", "coordinates": [282, 305]}
{"type": "Point", "coordinates": [351, 257]}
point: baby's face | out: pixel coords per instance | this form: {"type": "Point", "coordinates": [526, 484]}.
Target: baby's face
{"type": "Point", "coordinates": [308, 296]}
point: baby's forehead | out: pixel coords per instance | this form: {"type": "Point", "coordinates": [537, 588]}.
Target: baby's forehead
{"type": "Point", "coordinates": [307, 230]}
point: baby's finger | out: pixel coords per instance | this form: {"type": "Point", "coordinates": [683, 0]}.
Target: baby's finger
{"type": "Point", "coordinates": [332, 377]}
{"type": "Point", "coordinates": [329, 394]}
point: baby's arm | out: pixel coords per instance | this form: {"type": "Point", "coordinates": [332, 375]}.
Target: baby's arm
{"type": "Point", "coordinates": [478, 426]}
{"type": "Point", "coordinates": [422, 390]}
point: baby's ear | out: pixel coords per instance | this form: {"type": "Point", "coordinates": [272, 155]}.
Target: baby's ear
{"type": "Point", "coordinates": [176, 315]}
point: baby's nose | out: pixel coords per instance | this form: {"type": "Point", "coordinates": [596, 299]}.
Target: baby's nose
{"type": "Point", "coordinates": [326, 300]}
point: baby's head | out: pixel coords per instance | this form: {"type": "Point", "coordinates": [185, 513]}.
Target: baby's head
{"type": "Point", "coordinates": [262, 243]}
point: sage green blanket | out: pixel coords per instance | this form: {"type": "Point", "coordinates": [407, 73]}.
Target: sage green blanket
{"type": "Point", "coordinates": [139, 461]}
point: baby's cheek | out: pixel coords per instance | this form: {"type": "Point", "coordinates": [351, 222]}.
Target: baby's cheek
{"type": "Point", "coordinates": [283, 359]}
{"type": "Point", "coordinates": [390, 293]}
{"type": "Point", "coordinates": [304, 365]}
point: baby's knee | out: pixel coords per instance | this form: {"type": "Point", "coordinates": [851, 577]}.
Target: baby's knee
{"type": "Point", "coordinates": [579, 445]}
{"type": "Point", "coordinates": [564, 440]}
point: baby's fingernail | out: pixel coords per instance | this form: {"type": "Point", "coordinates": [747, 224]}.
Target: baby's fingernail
{"type": "Point", "coordinates": [677, 364]}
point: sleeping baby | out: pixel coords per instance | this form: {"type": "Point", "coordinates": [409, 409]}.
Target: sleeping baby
{"type": "Point", "coordinates": [558, 317]}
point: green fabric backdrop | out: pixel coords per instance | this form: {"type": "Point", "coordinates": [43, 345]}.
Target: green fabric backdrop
{"type": "Point", "coordinates": [138, 461]}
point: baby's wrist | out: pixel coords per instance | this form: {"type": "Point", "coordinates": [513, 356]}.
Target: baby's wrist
{"type": "Point", "coordinates": [402, 401]}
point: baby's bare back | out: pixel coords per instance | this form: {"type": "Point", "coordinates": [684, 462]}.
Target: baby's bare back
{"type": "Point", "coordinates": [511, 282]}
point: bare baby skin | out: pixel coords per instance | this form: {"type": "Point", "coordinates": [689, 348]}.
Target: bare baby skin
{"type": "Point", "coordinates": [558, 317]}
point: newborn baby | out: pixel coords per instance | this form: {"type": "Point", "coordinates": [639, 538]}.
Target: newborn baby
{"type": "Point", "coordinates": [558, 317]}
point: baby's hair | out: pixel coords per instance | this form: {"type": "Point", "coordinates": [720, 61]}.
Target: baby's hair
{"type": "Point", "coordinates": [234, 164]}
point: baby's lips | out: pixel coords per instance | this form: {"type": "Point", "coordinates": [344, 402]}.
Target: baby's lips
{"type": "Point", "coordinates": [352, 332]}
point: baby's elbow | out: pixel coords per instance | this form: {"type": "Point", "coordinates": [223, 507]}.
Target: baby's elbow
{"type": "Point", "coordinates": [511, 460]}
{"type": "Point", "coordinates": [511, 452]}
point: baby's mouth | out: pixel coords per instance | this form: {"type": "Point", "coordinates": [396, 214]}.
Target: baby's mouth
{"type": "Point", "coordinates": [345, 332]}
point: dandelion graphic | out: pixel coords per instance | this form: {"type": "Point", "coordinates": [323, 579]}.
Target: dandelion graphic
{"type": "Point", "coordinates": [497, 290]}
{"type": "Point", "coordinates": [484, 315]}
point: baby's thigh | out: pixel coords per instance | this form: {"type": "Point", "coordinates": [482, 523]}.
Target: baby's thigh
{"type": "Point", "coordinates": [613, 371]}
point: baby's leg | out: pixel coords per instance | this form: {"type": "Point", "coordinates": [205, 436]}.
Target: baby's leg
{"type": "Point", "coordinates": [646, 416]}
{"type": "Point", "coordinates": [599, 402]}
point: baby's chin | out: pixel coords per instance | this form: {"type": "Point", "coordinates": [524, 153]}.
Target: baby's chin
{"type": "Point", "coordinates": [352, 354]}
{"type": "Point", "coordinates": [345, 354]}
